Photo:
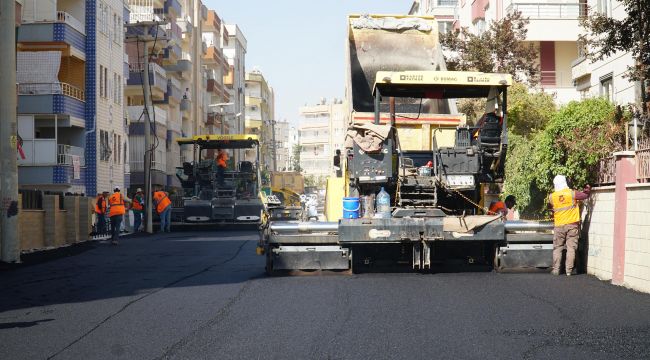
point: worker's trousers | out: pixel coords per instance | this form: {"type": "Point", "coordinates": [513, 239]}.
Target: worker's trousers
{"type": "Point", "coordinates": [565, 237]}
{"type": "Point", "coordinates": [116, 222]}
{"type": "Point", "coordinates": [166, 219]}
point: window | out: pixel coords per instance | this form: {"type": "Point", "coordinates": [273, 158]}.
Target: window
{"type": "Point", "coordinates": [604, 7]}
{"type": "Point", "coordinates": [105, 82]}
{"type": "Point", "coordinates": [101, 81]}
{"type": "Point", "coordinates": [444, 26]}
{"type": "Point", "coordinates": [607, 87]}
{"type": "Point", "coordinates": [448, 3]}
{"type": "Point", "coordinates": [104, 146]}
{"type": "Point", "coordinates": [480, 26]}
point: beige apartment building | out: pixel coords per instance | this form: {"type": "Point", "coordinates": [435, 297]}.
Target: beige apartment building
{"type": "Point", "coordinates": [553, 29]}
{"type": "Point", "coordinates": [321, 131]}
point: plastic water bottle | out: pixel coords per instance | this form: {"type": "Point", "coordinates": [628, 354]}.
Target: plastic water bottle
{"type": "Point", "coordinates": [382, 204]}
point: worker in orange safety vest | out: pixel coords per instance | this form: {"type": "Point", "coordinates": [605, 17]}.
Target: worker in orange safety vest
{"type": "Point", "coordinates": [116, 210]}
{"type": "Point", "coordinates": [100, 212]}
{"type": "Point", "coordinates": [164, 209]}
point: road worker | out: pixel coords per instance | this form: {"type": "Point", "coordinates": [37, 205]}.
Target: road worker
{"type": "Point", "coordinates": [505, 208]}
{"type": "Point", "coordinates": [116, 210]}
{"type": "Point", "coordinates": [137, 206]}
{"type": "Point", "coordinates": [100, 212]}
{"type": "Point", "coordinates": [164, 209]}
{"type": "Point", "coordinates": [566, 215]}
{"type": "Point", "coordinates": [222, 164]}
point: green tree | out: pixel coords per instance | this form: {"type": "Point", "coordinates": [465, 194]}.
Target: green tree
{"type": "Point", "coordinates": [607, 36]}
{"type": "Point", "coordinates": [296, 157]}
{"type": "Point", "coordinates": [500, 48]}
{"type": "Point", "coordinates": [575, 139]}
{"type": "Point", "coordinates": [528, 112]}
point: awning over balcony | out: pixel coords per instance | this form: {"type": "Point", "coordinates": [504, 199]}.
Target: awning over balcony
{"type": "Point", "coordinates": [38, 67]}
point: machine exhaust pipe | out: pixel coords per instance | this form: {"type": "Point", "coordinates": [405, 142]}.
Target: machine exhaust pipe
{"type": "Point", "coordinates": [520, 225]}
{"type": "Point", "coordinates": [288, 227]}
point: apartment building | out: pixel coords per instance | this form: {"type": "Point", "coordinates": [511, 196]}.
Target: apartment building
{"type": "Point", "coordinates": [180, 71]}
{"type": "Point", "coordinates": [321, 132]}
{"type": "Point", "coordinates": [70, 74]}
{"type": "Point", "coordinates": [553, 29]}
{"type": "Point", "coordinates": [234, 49]}
{"type": "Point", "coordinates": [282, 145]}
{"type": "Point", "coordinates": [216, 68]}
{"type": "Point", "coordinates": [260, 117]}
{"type": "Point", "coordinates": [606, 77]}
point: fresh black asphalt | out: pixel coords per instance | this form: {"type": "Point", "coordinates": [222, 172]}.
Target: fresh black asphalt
{"type": "Point", "coordinates": [205, 296]}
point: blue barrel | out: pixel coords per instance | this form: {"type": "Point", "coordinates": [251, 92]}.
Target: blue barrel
{"type": "Point", "coordinates": [350, 207]}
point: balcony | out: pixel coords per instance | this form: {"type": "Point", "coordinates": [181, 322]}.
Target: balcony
{"type": "Point", "coordinates": [580, 68]}
{"type": "Point", "coordinates": [44, 152]}
{"type": "Point", "coordinates": [62, 28]}
{"type": "Point", "coordinates": [186, 29]}
{"type": "Point", "coordinates": [229, 78]}
{"type": "Point", "coordinates": [213, 23]}
{"type": "Point", "coordinates": [550, 21]}
{"type": "Point", "coordinates": [173, 53]}
{"type": "Point", "coordinates": [136, 116]}
{"type": "Point", "coordinates": [215, 87]}
{"type": "Point", "coordinates": [157, 79]}
{"type": "Point", "coordinates": [51, 98]}
{"type": "Point", "coordinates": [174, 31]}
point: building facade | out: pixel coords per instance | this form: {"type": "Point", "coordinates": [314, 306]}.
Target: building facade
{"type": "Point", "coordinates": [282, 145]}
{"type": "Point", "coordinates": [216, 69]}
{"type": "Point", "coordinates": [321, 132]}
{"type": "Point", "coordinates": [260, 118]}
{"type": "Point", "coordinates": [70, 103]}
{"type": "Point", "coordinates": [553, 29]}
{"type": "Point", "coordinates": [234, 49]}
{"type": "Point", "coordinates": [606, 77]}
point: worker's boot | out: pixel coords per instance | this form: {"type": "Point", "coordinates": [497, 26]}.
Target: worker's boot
{"type": "Point", "coordinates": [555, 272]}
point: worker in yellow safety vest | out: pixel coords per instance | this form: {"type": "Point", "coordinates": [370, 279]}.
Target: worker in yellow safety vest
{"type": "Point", "coordinates": [164, 209]}
{"type": "Point", "coordinates": [566, 216]}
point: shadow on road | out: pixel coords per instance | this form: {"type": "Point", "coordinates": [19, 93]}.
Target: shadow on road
{"type": "Point", "coordinates": [136, 267]}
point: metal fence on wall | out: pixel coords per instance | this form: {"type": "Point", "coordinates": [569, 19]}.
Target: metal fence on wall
{"type": "Point", "coordinates": [606, 171]}
{"type": "Point", "coordinates": [643, 161]}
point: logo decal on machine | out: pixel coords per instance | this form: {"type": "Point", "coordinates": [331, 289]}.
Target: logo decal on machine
{"type": "Point", "coordinates": [374, 233]}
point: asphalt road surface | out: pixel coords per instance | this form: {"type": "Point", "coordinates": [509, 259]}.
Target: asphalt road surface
{"type": "Point", "coordinates": [205, 296]}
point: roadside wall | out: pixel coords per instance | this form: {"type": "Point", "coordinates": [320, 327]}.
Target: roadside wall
{"type": "Point", "coordinates": [617, 225]}
{"type": "Point", "coordinates": [53, 227]}
{"type": "Point", "coordinates": [637, 244]}
{"type": "Point", "coordinates": [600, 221]}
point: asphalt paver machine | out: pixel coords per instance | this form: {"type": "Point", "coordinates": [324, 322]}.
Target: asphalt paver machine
{"type": "Point", "coordinates": [209, 199]}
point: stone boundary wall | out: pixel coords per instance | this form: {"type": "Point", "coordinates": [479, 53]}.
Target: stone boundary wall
{"type": "Point", "coordinates": [51, 227]}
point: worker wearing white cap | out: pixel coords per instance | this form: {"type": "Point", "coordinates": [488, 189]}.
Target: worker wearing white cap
{"type": "Point", "coordinates": [137, 206]}
{"type": "Point", "coordinates": [566, 215]}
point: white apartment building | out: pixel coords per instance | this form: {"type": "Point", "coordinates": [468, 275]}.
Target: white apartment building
{"type": "Point", "coordinates": [70, 103]}
{"type": "Point", "coordinates": [282, 145]}
{"type": "Point", "coordinates": [321, 132]}
{"type": "Point", "coordinates": [234, 49]}
{"type": "Point", "coordinates": [606, 77]}
{"type": "Point", "coordinates": [216, 68]}
{"type": "Point", "coordinates": [553, 29]}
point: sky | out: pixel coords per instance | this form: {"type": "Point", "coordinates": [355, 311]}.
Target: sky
{"type": "Point", "coordinates": [299, 45]}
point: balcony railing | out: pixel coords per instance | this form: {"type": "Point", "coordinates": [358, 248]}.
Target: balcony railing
{"type": "Point", "coordinates": [67, 153]}
{"type": "Point", "coordinates": [64, 17]}
{"type": "Point", "coordinates": [46, 152]}
{"type": "Point", "coordinates": [174, 29]}
{"type": "Point", "coordinates": [556, 79]}
{"type": "Point", "coordinates": [548, 10]}
{"type": "Point", "coordinates": [59, 88]}
{"type": "Point", "coordinates": [643, 162]}
{"type": "Point", "coordinates": [135, 114]}
{"type": "Point", "coordinates": [138, 166]}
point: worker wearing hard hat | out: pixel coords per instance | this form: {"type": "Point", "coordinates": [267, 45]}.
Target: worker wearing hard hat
{"type": "Point", "coordinates": [138, 209]}
{"type": "Point", "coordinates": [505, 208]}
{"type": "Point", "coordinates": [566, 215]}
{"type": "Point", "coordinates": [116, 210]}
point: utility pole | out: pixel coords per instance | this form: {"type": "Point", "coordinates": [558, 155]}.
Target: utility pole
{"type": "Point", "coordinates": [145, 38]}
{"type": "Point", "coordinates": [8, 135]}
{"type": "Point", "coordinates": [274, 147]}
